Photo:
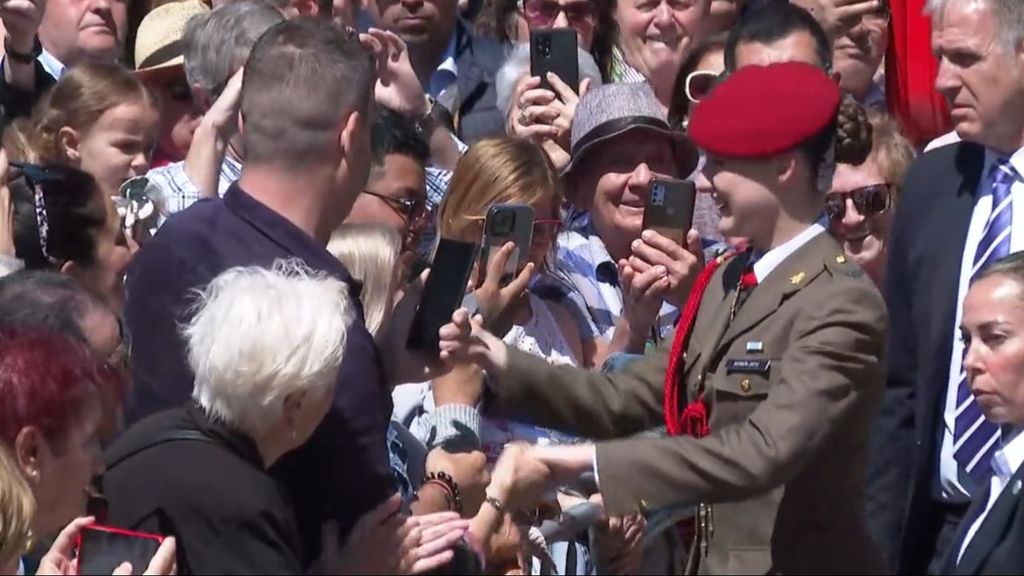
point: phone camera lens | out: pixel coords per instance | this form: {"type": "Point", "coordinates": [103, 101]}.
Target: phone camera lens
{"type": "Point", "coordinates": [504, 223]}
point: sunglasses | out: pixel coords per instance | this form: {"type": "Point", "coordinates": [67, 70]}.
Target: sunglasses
{"type": "Point", "coordinates": [410, 210]}
{"type": "Point", "coordinates": [542, 14]}
{"type": "Point", "coordinates": [699, 84]}
{"type": "Point", "coordinates": [869, 201]}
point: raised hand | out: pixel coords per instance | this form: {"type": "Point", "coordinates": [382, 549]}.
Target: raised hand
{"type": "Point", "coordinates": [495, 302]}
{"type": "Point", "coordinates": [682, 265]}
{"type": "Point", "coordinates": [398, 87]}
{"type": "Point", "coordinates": [837, 17]}
{"type": "Point", "coordinates": [465, 340]}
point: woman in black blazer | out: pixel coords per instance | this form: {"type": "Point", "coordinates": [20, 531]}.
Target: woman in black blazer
{"type": "Point", "coordinates": [990, 538]}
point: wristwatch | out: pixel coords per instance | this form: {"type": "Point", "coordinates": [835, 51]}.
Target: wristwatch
{"type": "Point", "coordinates": [23, 57]}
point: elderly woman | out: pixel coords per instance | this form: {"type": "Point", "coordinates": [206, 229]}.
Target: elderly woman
{"type": "Point", "coordinates": [863, 196]}
{"type": "Point", "coordinates": [265, 346]}
{"type": "Point", "coordinates": [542, 115]}
{"type": "Point", "coordinates": [992, 328]}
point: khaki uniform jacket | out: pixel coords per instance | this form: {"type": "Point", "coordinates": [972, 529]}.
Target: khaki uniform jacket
{"type": "Point", "coordinates": [783, 467]}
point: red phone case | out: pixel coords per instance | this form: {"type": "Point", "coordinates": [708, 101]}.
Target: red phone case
{"type": "Point", "coordinates": [158, 538]}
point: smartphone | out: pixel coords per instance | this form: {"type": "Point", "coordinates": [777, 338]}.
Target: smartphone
{"type": "Point", "coordinates": [507, 223]}
{"type": "Point", "coordinates": [669, 208]}
{"type": "Point", "coordinates": [445, 286]}
{"type": "Point", "coordinates": [101, 549]}
{"type": "Point", "coordinates": [554, 50]}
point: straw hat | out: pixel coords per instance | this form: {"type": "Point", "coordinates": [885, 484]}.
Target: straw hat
{"type": "Point", "coordinates": [158, 45]}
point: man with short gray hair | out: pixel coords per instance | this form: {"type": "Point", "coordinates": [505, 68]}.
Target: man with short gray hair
{"type": "Point", "coordinates": [216, 45]}
{"type": "Point", "coordinates": [962, 208]}
{"type": "Point", "coordinates": [306, 108]}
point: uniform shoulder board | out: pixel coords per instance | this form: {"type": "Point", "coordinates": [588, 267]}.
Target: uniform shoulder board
{"type": "Point", "coordinates": [841, 265]}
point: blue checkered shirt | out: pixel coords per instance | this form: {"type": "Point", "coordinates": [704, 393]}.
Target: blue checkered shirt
{"type": "Point", "coordinates": [585, 277]}
{"type": "Point", "coordinates": [180, 192]}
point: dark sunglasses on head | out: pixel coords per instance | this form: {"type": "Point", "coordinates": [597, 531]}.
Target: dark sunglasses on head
{"type": "Point", "coordinates": [869, 201]}
{"type": "Point", "coordinates": [543, 13]}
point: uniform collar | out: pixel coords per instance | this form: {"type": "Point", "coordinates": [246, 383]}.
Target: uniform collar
{"type": "Point", "coordinates": [1010, 455]}
{"type": "Point", "coordinates": [765, 263]}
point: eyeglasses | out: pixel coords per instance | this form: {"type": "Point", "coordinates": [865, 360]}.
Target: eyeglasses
{"type": "Point", "coordinates": [547, 227]}
{"type": "Point", "coordinates": [542, 13]}
{"type": "Point", "coordinates": [35, 177]}
{"type": "Point", "coordinates": [699, 84]}
{"type": "Point", "coordinates": [410, 210]}
{"type": "Point", "coordinates": [869, 201]}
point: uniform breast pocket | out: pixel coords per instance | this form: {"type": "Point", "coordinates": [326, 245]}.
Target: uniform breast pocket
{"type": "Point", "coordinates": [740, 378]}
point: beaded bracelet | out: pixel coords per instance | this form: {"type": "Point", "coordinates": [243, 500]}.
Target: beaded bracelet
{"type": "Point", "coordinates": [450, 486]}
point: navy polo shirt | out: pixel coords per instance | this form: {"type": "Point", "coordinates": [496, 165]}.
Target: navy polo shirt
{"type": "Point", "coordinates": [343, 471]}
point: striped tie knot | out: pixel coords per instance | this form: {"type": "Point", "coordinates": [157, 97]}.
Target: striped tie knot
{"type": "Point", "coordinates": [1003, 173]}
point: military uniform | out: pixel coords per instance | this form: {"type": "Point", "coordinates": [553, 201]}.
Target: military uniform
{"type": "Point", "coordinates": [791, 377]}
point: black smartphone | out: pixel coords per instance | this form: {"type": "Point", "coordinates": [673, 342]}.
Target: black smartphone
{"type": "Point", "coordinates": [669, 208]}
{"type": "Point", "coordinates": [101, 549]}
{"type": "Point", "coordinates": [507, 223]}
{"type": "Point", "coordinates": [554, 50]}
{"type": "Point", "coordinates": [442, 293]}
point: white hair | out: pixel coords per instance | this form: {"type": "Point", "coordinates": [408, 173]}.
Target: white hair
{"type": "Point", "coordinates": [257, 335]}
{"type": "Point", "coordinates": [1008, 15]}
{"type": "Point", "coordinates": [517, 66]}
{"type": "Point", "coordinates": [370, 253]}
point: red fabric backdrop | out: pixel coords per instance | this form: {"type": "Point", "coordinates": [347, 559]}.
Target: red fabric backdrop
{"type": "Point", "coordinates": [910, 70]}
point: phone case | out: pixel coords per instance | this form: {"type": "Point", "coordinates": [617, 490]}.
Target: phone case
{"type": "Point", "coordinates": [101, 549]}
{"type": "Point", "coordinates": [442, 292]}
{"type": "Point", "coordinates": [499, 230]}
{"type": "Point", "coordinates": [669, 208]}
{"type": "Point", "coordinates": [555, 50]}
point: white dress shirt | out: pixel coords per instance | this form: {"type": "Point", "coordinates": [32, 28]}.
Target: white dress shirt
{"type": "Point", "coordinates": [949, 470]}
{"type": "Point", "coordinates": [1005, 463]}
{"type": "Point", "coordinates": [763, 266]}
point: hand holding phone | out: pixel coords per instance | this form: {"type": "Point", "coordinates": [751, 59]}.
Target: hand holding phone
{"type": "Point", "coordinates": [495, 298]}
{"type": "Point", "coordinates": [108, 550]}
{"type": "Point", "coordinates": [555, 50]}
{"type": "Point", "coordinates": [442, 293]}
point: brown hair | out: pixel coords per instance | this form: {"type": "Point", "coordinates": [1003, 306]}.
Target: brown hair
{"type": "Point", "coordinates": [77, 101]}
{"type": "Point", "coordinates": [496, 171]}
{"type": "Point", "coordinates": [891, 150]}
{"type": "Point", "coordinates": [17, 507]}
{"type": "Point", "coordinates": [303, 77]}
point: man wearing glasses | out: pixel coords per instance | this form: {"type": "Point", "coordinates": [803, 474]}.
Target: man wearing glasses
{"type": "Point", "coordinates": [395, 194]}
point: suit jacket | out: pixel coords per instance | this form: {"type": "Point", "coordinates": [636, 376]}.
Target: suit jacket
{"type": "Point", "coordinates": [925, 251]}
{"type": "Point", "coordinates": [783, 466]}
{"type": "Point", "coordinates": [475, 110]}
{"type": "Point", "coordinates": [996, 546]}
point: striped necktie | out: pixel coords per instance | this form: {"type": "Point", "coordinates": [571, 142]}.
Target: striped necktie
{"type": "Point", "coordinates": [975, 439]}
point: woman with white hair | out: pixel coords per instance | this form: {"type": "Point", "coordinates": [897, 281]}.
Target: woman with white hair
{"type": "Point", "coordinates": [265, 346]}
{"type": "Point", "coordinates": [534, 112]}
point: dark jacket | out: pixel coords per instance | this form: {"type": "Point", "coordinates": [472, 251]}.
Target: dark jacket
{"type": "Point", "coordinates": [343, 471]}
{"type": "Point", "coordinates": [211, 492]}
{"type": "Point", "coordinates": [924, 255]}
{"type": "Point", "coordinates": [996, 547]}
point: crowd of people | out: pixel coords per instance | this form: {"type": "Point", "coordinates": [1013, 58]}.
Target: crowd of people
{"type": "Point", "coordinates": [217, 220]}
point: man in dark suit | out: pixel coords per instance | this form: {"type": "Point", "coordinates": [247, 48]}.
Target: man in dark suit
{"type": "Point", "coordinates": [960, 210]}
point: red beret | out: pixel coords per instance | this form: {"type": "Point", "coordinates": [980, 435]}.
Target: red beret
{"type": "Point", "coordinates": [760, 111]}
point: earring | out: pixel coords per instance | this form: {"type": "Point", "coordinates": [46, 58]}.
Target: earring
{"type": "Point", "coordinates": [30, 540]}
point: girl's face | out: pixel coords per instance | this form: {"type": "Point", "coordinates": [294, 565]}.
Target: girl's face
{"type": "Point", "coordinates": [117, 147]}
